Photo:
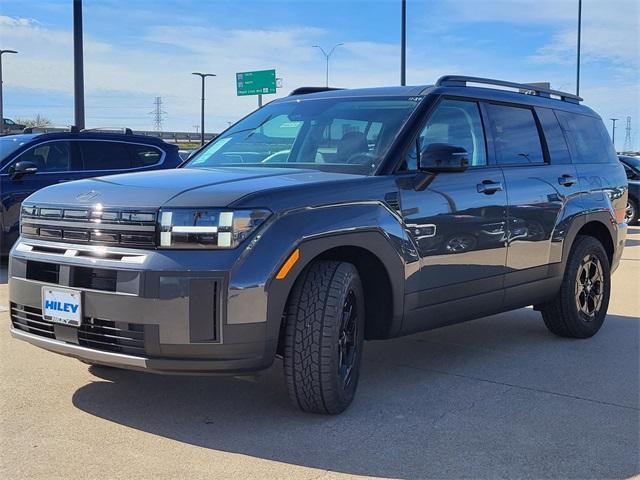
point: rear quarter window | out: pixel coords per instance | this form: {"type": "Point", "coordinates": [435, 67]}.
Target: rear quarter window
{"type": "Point", "coordinates": [587, 137]}
{"type": "Point", "coordinates": [144, 155]}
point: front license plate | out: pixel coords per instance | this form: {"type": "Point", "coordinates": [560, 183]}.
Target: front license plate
{"type": "Point", "coordinates": [62, 306]}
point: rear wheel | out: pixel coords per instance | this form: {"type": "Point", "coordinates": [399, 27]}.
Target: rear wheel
{"type": "Point", "coordinates": [580, 307]}
{"type": "Point", "coordinates": [631, 212]}
{"type": "Point", "coordinates": [324, 336]}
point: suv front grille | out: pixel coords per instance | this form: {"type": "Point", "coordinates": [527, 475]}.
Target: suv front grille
{"type": "Point", "coordinates": [115, 227]}
{"type": "Point", "coordinates": [95, 333]}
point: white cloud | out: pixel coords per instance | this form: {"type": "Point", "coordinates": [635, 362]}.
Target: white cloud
{"type": "Point", "coordinates": [168, 54]}
{"type": "Point", "coordinates": [610, 28]}
{"type": "Point", "coordinates": [165, 52]}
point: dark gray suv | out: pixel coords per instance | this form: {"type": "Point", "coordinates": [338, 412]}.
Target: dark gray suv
{"type": "Point", "coordinates": [324, 219]}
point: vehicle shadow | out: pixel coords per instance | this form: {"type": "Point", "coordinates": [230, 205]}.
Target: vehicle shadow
{"type": "Point", "coordinates": [498, 397]}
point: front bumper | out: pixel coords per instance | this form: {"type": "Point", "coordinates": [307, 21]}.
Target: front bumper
{"type": "Point", "coordinates": [166, 312]}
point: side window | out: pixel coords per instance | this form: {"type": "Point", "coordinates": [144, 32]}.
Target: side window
{"type": "Point", "coordinates": [588, 138]}
{"type": "Point", "coordinates": [98, 155]}
{"type": "Point", "coordinates": [556, 142]}
{"type": "Point", "coordinates": [457, 123]}
{"type": "Point", "coordinates": [144, 156]}
{"type": "Point", "coordinates": [515, 135]}
{"type": "Point", "coordinates": [49, 157]}
{"type": "Point", "coordinates": [373, 133]}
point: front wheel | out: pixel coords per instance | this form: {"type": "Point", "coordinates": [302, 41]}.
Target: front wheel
{"type": "Point", "coordinates": [324, 336]}
{"type": "Point", "coordinates": [580, 307]}
{"type": "Point", "coordinates": [631, 212]}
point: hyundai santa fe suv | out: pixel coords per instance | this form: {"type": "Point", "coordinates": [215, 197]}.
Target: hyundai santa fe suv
{"type": "Point", "coordinates": [324, 219]}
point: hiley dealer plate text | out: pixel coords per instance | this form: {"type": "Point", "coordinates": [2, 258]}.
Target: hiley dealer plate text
{"type": "Point", "coordinates": [62, 305]}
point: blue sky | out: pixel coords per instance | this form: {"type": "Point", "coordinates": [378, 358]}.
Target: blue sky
{"type": "Point", "coordinates": [136, 50]}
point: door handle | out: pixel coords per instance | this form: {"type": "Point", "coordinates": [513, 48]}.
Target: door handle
{"type": "Point", "coordinates": [567, 180]}
{"type": "Point", "coordinates": [489, 187]}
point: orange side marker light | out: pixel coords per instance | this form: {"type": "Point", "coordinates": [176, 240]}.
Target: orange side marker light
{"type": "Point", "coordinates": [288, 265]}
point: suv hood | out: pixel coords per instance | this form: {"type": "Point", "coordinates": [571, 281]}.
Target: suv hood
{"type": "Point", "coordinates": [183, 187]}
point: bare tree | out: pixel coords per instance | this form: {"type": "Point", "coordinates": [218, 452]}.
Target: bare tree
{"type": "Point", "coordinates": [39, 121]}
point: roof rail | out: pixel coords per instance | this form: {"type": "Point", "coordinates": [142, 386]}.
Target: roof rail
{"type": "Point", "coordinates": [526, 88]}
{"type": "Point", "coordinates": [305, 90]}
{"type": "Point", "coordinates": [125, 130]}
{"type": "Point", "coordinates": [50, 129]}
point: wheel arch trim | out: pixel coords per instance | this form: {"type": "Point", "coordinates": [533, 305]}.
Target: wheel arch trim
{"type": "Point", "coordinates": [371, 240]}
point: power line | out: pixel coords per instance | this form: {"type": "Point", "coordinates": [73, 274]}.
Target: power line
{"type": "Point", "coordinates": [157, 114]}
{"type": "Point", "coordinates": [627, 136]}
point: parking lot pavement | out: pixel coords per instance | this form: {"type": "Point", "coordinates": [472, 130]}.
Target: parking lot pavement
{"type": "Point", "coordinates": [497, 397]}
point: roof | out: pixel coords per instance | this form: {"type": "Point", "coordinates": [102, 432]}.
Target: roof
{"type": "Point", "coordinates": [19, 137]}
{"type": "Point", "coordinates": [393, 91]}
{"type": "Point", "coordinates": [456, 85]}
{"type": "Point", "coordinates": [121, 137]}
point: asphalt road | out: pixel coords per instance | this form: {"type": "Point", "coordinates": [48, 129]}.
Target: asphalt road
{"type": "Point", "coordinates": [497, 397]}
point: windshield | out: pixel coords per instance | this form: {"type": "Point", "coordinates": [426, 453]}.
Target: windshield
{"type": "Point", "coordinates": [349, 135]}
{"type": "Point", "coordinates": [11, 143]}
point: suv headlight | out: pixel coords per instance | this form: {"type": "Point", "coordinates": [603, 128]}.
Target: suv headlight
{"type": "Point", "coordinates": [207, 227]}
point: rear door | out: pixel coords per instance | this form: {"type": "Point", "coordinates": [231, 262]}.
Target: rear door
{"type": "Point", "coordinates": [102, 157]}
{"type": "Point", "coordinates": [457, 222]}
{"type": "Point", "coordinates": [541, 184]}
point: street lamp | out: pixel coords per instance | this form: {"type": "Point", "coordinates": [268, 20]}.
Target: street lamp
{"type": "Point", "coordinates": [403, 44]}
{"type": "Point", "coordinates": [327, 56]}
{"type": "Point", "coordinates": [78, 67]}
{"type": "Point", "coordinates": [1, 110]}
{"type": "Point", "coordinates": [578, 50]}
{"type": "Point", "coordinates": [613, 131]}
{"type": "Point", "coordinates": [202, 76]}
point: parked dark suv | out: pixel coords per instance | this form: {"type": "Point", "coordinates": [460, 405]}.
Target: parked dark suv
{"type": "Point", "coordinates": [632, 168]}
{"type": "Point", "coordinates": [30, 162]}
{"type": "Point", "coordinates": [324, 219]}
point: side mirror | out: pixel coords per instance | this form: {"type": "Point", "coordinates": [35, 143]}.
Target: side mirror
{"type": "Point", "coordinates": [442, 157]}
{"type": "Point", "coordinates": [23, 168]}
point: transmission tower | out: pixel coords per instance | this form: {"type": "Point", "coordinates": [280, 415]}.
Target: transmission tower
{"type": "Point", "coordinates": [627, 136]}
{"type": "Point", "coordinates": [157, 114]}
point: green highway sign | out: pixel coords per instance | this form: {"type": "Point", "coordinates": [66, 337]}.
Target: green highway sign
{"type": "Point", "coordinates": [261, 82]}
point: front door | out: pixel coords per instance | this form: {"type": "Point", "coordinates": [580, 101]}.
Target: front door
{"type": "Point", "coordinates": [457, 222]}
{"type": "Point", "coordinates": [56, 163]}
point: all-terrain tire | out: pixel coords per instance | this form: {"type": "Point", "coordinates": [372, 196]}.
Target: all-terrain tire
{"type": "Point", "coordinates": [562, 315]}
{"type": "Point", "coordinates": [326, 299]}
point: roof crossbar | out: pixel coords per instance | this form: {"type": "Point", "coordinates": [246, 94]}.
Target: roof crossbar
{"type": "Point", "coordinates": [461, 81]}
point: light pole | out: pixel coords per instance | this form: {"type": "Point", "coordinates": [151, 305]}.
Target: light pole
{"type": "Point", "coordinates": [403, 45]}
{"type": "Point", "coordinates": [578, 50]}
{"type": "Point", "coordinates": [202, 76]}
{"type": "Point", "coordinates": [78, 66]}
{"type": "Point", "coordinates": [613, 131]}
{"type": "Point", "coordinates": [327, 56]}
{"type": "Point", "coordinates": [2, 126]}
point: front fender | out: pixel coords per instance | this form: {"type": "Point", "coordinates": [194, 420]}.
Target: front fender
{"type": "Point", "coordinates": [256, 296]}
